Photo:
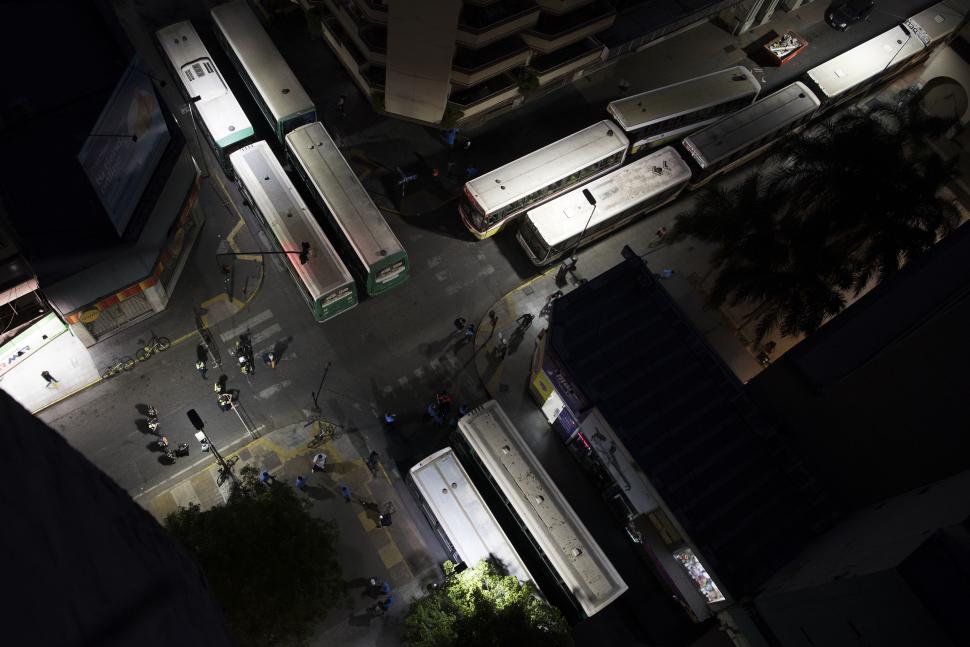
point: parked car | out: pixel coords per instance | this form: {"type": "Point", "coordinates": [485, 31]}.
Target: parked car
{"type": "Point", "coordinates": [846, 13]}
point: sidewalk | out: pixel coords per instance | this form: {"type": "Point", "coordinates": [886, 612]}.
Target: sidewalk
{"type": "Point", "coordinates": [395, 554]}
{"type": "Point", "coordinates": [200, 289]}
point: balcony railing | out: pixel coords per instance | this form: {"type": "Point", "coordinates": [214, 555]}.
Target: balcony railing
{"type": "Point", "coordinates": [467, 97]}
{"type": "Point", "coordinates": [561, 6]}
{"type": "Point", "coordinates": [374, 10]}
{"type": "Point", "coordinates": [478, 19]}
{"type": "Point", "coordinates": [545, 63]}
{"type": "Point", "coordinates": [472, 66]}
{"type": "Point", "coordinates": [374, 38]}
{"type": "Point", "coordinates": [553, 32]}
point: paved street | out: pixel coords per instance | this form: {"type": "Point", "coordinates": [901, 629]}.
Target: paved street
{"type": "Point", "coordinates": [390, 353]}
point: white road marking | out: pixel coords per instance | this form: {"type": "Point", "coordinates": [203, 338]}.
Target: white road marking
{"type": "Point", "coordinates": [272, 390]}
{"type": "Point", "coordinates": [246, 325]}
{"type": "Point", "coordinates": [266, 333]}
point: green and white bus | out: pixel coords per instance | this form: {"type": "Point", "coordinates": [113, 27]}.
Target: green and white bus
{"type": "Point", "coordinates": [222, 120]}
{"type": "Point", "coordinates": [324, 281]}
{"type": "Point", "coordinates": [378, 257]}
{"type": "Point", "coordinates": [280, 97]}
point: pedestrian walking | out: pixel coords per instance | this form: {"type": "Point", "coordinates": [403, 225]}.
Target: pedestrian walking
{"type": "Point", "coordinates": [450, 136]}
{"type": "Point", "coordinates": [341, 101]}
{"type": "Point", "coordinates": [667, 273]}
{"type": "Point", "coordinates": [470, 332]}
{"type": "Point", "coordinates": [266, 477]}
{"type": "Point", "coordinates": [470, 172]}
{"type": "Point", "coordinates": [389, 419]}
{"type": "Point", "coordinates": [624, 85]}
{"type": "Point", "coordinates": [460, 323]}
{"type": "Point", "coordinates": [466, 145]}
{"type": "Point", "coordinates": [345, 492]}
{"type": "Point", "coordinates": [270, 359]}
{"type": "Point", "coordinates": [319, 462]}
{"type": "Point", "coordinates": [301, 483]}
{"type": "Point", "coordinates": [661, 233]}
{"type": "Point", "coordinates": [502, 347]}
{"type": "Point", "coordinates": [385, 604]}
{"type": "Point", "coordinates": [49, 378]}
{"type": "Point", "coordinates": [372, 461]}
{"type": "Point", "coordinates": [434, 414]}
{"type": "Point", "coordinates": [201, 368]}
{"type": "Point", "coordinates": [492, 318]}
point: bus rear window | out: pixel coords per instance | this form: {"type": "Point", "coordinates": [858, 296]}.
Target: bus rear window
{"type": "Point", "coordinates": [390, 272]}
{"type": "Point", "coordinates": [336, 296]}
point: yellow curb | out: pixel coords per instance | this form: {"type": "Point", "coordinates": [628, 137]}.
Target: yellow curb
{"type": "Point", "coordinates": [68, 395]}
{"type": "Point", "coordinates": [231, 238]}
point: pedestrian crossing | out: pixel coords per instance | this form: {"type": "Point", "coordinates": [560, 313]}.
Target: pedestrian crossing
{"type": "Point", "coordinates": [265, 335]}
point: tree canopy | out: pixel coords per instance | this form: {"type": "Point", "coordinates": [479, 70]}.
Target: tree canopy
{"type": "Point", "coordinates": [480, 607]}
{"type": "Point", "coordinates": [845, 203]}
{"type": "Point", "coordinates": [271, 565]}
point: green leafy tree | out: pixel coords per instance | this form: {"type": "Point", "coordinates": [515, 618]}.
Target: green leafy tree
{"type": "Point", "coordinates": [844, 203]}
{"type": "Point", "coordinates": [481, 607]}
{"type": "Point", "coordinates": [272, 565]}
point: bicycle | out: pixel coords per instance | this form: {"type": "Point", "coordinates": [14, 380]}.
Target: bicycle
{"type": "Point", "coordinates": [225, 472]}
{"type": "Point", "coordinates": [327, 432]}
{"type": "Point", "coordinates": [117, 366]}
{"type": "Point", "coordinates": [155, 345]}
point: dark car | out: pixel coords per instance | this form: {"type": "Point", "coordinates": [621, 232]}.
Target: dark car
{"type": "Point", "coordinates": [842, 15]}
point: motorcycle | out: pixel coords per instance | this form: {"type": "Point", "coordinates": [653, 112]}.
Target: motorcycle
{"type": "Point", "coordinates": [153, 420]}
{"type": "Point", "coordinates": [171, 455]}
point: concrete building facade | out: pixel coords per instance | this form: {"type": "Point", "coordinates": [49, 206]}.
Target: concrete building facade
{"type": "Point", "coordinates": [459, 62]}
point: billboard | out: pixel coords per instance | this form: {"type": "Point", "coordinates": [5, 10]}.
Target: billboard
{"type": "Point", "coordinates": [125, 145]}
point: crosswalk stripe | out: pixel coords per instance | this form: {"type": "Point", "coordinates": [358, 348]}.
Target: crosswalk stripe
{"type": "Point", "coordinates": [266, 333]}
{"type": "Point", "coordinates": [246, 325]}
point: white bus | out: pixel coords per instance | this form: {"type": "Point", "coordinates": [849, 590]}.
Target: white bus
{"type": "Point", "coordinates": [379, 258]}
{"type": "Point", "coordinates": [277, 92]}
{"type": "Point", "coordinates": [748, 132]}
{"type": "Point", "coordinates": [459, 516]}
{"type": "Point", "coordinates": [878, 59]}
{"type": "Point", "coordinates": [584, 575]}
{"type": "Point", "coordinates": [491, 200]}
{"type": "Point", "coordinates": [671, 111]}
{"type": "Point", "coordinates": [324, 281]}
{"type": "Point", "coordinates": [553, 229]}
{"type": "Point", "coordinates": [222, 120]}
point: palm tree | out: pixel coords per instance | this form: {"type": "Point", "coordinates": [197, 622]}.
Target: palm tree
{"type": "Point", "coordinates": [870, 178]}
{"type": "Point", "coordinates": [846, 202]}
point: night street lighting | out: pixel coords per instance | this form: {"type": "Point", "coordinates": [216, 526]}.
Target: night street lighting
{"type": "Point", "coordinates": [592, 201]}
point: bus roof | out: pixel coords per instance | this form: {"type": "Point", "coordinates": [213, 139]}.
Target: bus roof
{"type": "Point", "coordinates": [218, 108]}
{"type": "Point", "coordinates": [751, 124]}
{"type": "Point", "coordinates": [460, 511]}
{"type": "Point", "coordinates": [289, 219]}
{"type": "Point", "coordinates": [684, 97]}
{"type": "Point", "coordinates": [863, 62]}
{"type": "Point", "coordinates": [935, 23]}
{"type": "Point", "coordinates": [335, 182]}
{"type": "Point", "coordinates": [540, 168]}
{"type": "Point", "coordinates": [550, 520]}
{"type": "Point", "coordinates": [566, 216]}
{"type": "Point", "coordinates": [266, 67]}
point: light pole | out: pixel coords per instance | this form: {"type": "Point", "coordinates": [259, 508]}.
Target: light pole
{"type": "Point", "coordinates": [200, 427]}
{"type": "Point", "coordinates": [572, 257]}
{"type": "Point", "coordinates": [195, 129]}
{"type": "Point", "coordinates": [316, 407]}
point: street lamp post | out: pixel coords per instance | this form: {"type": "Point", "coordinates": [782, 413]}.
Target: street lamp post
{"type": "Point", "coordinates": [570, 264]}
{"type": "Point", "coordinates": [195, 129]}
{"type": "Point", "coordinates": [316, 407]}
{"type": "Point", "coordinates": [590, 199]}
{"type": "Point", "coordinates": [200, 427]}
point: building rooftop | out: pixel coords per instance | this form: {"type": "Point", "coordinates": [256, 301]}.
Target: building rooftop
{"type": "Point", "coordinates": [876, 399]}
{"type": "Point", "coordinates": [738, 491]}
{"type": "Point", "coordinates": [46, 118]}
